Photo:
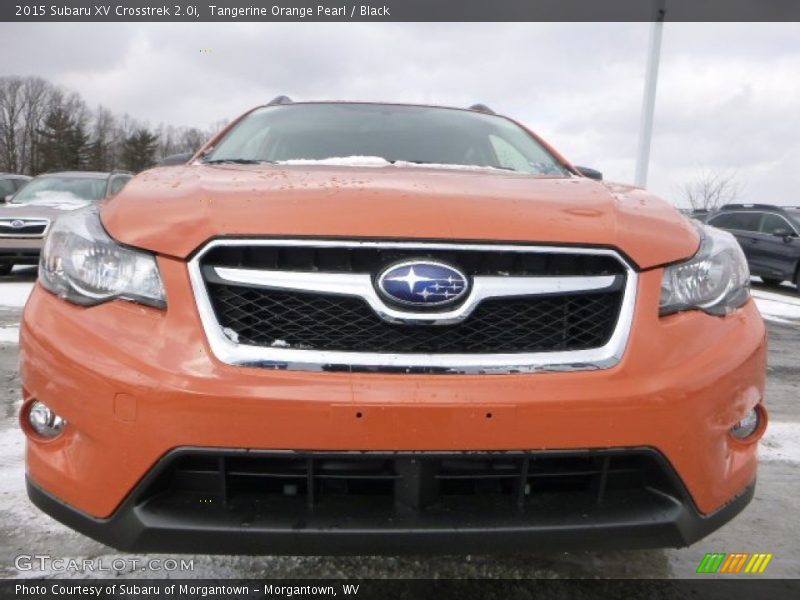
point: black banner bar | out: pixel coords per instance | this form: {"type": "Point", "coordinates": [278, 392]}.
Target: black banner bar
{"type": "Point", "coordinates": [398, 10]}
{"type": "Point", "coordinates": [403, 589]}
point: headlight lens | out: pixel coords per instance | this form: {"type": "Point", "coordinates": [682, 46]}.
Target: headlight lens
{"type": "Point", "coordinates": [82, 264]}
{"type": "Point", "coordinates": [716, 280]}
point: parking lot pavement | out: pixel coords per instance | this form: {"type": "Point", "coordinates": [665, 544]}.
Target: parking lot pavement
{"type": "Point", "coordinates": [768, 525]}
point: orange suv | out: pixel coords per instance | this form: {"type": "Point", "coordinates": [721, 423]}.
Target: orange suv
{"type": "Point", "coordinates": [378, 328]}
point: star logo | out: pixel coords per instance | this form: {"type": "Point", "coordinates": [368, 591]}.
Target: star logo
{"type": "Point", "coordinates": [411, 278]}
{"type": "Point", "coordinates": [422, 283]}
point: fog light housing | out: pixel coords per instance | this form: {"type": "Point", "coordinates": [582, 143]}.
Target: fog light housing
{"type": "Point", "coordinates": [747, 426]}
{"type": "Point", "coordinates": [44, 421]}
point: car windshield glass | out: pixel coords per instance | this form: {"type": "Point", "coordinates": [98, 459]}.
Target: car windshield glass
{"type": "Point", "coordinates": [381, 135]}
{"type": "Point", "coordinates": [794, 216]}
{"type": "Point", "coordinates": [49, 189]}
{"type": "Point", "coordinates": [6, 187]}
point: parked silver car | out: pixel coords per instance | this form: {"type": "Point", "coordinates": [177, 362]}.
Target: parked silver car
{"type": "Point", "coordinates": [28, 213]}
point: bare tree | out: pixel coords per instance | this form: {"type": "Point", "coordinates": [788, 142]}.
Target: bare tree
{"type": "Point", "coordinates": [102, 154]}
{"type": "Point", "coordinates": [26, 103]}
{"type": "Point", "coordinates": [40, 98]}
{"type": "Point", "coordinates": [10, 121]}
{"type": "Point", "coordinates": [712, 189]}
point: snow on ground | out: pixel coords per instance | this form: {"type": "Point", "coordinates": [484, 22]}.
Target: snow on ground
{"type": "Point", "coordinates": [15, 294]}
{"type": "Point", "coordinates": [777, 307]}
{"type": "Point", "coordinates": [9, 335]}
{"type": "Point", "coordinates": [781, 442]}
{"type": "Point", "coordinates": [12, 452]}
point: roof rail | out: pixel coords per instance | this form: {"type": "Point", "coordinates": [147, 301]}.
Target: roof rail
{"type": "Point", "coordinates": [770, 206]}
{"type": "Point", "coordinates": [279, 100]}
{"type": "Point", "coordinates": [482, 108]}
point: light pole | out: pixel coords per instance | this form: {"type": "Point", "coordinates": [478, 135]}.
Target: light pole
{"type": "Point", "coordinates": [649, 98]}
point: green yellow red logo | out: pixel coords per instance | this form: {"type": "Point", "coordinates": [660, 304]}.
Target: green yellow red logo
{"type": "Point", "coordinates": [737, 562]}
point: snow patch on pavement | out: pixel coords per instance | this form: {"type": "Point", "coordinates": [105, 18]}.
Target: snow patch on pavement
{"type": "Point", "coordinates": [9, 335]}
{"type": "Point", "coordinates": [15, 295]}
{"type": "Point", "coordinates": [781, 442]}
{"type": "Point", "coordinates": [777, 307]}
{"type": "Point", "coordinates": [15, 510]}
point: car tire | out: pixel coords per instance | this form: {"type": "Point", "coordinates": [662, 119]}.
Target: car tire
{"type": "Point", "coordinates": [771, 281]}
{"type": "Point", "coordinates": [5, 270]}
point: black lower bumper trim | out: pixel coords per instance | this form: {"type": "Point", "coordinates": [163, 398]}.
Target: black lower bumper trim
{"type": "Point", "coordinates": [19, 257]}
{"type": "Point", "coordinates": [185, 521]}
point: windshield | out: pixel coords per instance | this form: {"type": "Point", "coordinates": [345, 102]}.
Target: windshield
{"type": "Point", "coordinates": [61, 189]}
{"type": "Point", "coordinates": [794, 215]}
{"type": "Point", "coordinates": [384, 133]}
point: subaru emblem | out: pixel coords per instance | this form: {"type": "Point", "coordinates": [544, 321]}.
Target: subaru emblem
{"type": "Point", "coordinates": [422, 283]}
{"type": "Point", "coordinates": [17, 224]}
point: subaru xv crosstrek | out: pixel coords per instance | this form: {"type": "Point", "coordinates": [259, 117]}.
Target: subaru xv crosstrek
{"type": "Point", "coordinates": [374, 328]}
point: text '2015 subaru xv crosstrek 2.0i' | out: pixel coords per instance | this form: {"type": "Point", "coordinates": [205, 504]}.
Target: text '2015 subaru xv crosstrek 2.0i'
{"type": "Point", "coordinates": [374, 328]}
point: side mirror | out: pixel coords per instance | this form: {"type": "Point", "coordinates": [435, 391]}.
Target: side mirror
{"type": "Point", "coordinates": [5, 199]}
{"type": "Point", "coordinates": [784, 233]}
{"type": "Point", "coordinates": [590, 173]}
{"type": "Point", "coordinates": [176, 159]}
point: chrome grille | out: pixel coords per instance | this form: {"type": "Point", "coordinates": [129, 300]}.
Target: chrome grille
{"type": "Point", "coordinates": [311, 304]}
{"type": "Point", "coordinates": [23, 227]}
{"type": "Point", "coordinates": [371, 259]}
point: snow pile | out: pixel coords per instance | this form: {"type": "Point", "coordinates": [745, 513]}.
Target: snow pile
{"type": "Point", "coordinates": [377, 161]}
{"type": "Point", "coordinates": [15, 295]}
{"type": "Point", "coordinates": [54, 199]}
{"type": "Point", "coordinates": [777, 307]}
{"type": "Point", "coordinates": [9, 335]}
{"type": "Point", "coordinates": [339, 161]}
{"type": "Point", "coordinates": [781, 442]}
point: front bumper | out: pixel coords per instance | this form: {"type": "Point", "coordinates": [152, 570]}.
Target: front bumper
{"type": "Point", "coordinates": [20, 250]}
{"type": "Point", "coordinates": [167, 516]}
{"type": "Point", "coordinates": [129, 401]}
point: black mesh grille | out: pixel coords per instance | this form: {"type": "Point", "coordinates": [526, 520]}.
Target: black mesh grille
{"type": "Point", "coordinates": [265, 317]}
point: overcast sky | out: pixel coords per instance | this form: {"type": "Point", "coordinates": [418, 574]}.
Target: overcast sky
{"type": "Point", "coordinates": [728, 95]}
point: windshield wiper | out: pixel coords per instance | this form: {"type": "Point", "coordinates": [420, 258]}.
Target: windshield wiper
{"type": "Point", "coordinates": [430, 162]}
{"type": "Point", "coordinates": [236, 161]}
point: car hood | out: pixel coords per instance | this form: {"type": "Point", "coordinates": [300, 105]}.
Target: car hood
{"type": "Point", "coordinates": [36, 210]}
{"type": "Point", "coordinates": [175, 210]}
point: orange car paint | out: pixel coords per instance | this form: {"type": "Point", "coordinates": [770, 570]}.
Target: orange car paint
{"type": "Point", "coordinates": [391, 202]}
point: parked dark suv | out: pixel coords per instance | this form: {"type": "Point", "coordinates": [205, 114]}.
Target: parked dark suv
{"type": "Point", "coordinates": [769, 236]}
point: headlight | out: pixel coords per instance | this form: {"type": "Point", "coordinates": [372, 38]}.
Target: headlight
{"type": "Point", "coordinates": [82, 264]}
{"type": "Point", "coordinates": [716, 280]}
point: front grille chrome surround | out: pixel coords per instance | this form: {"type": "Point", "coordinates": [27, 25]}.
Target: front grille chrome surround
{"type": "Point", "coordinates": [23, 227]}
{"type": "Point", "coordinates": [360, 285]}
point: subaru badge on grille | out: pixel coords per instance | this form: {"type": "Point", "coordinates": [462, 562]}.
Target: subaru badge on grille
{"type": "Point", "coordinates": [422, 283]}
